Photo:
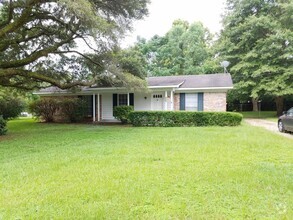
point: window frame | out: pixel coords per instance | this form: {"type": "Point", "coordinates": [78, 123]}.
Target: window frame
{"type": "Point", "coordinates": [125, 99]}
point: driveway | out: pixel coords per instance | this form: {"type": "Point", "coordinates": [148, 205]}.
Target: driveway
{"type": "Point", "coordinates": [269, 125]}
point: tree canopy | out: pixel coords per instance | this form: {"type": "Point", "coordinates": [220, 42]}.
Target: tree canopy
{"type": "Point", "coordinates": [258, 41]}
{"type": "Point", "coordinates": [185, 49]}
{"type": "Point", "coordinates": [42, 42]}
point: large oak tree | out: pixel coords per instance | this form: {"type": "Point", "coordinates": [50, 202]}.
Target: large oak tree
{"type": "Point", "coordinates": [42, 41]}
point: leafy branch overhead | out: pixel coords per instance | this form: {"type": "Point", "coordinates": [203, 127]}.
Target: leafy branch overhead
{"type": "Point", "coordinates": [47, 42]}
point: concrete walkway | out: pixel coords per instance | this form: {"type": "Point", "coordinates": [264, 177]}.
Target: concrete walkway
{"type": "Point", "coordinates": [269, 125]}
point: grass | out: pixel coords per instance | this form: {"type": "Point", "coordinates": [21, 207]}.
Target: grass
{"type": "Point", "coordinates": [63, 171]}
{"type": "Point", "coordinates": [267, 115]}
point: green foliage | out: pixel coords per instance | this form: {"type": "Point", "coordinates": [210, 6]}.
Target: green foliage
{"type": "Point", "coordinates": [257, 40]}
{"type": "Point", "coordinates": [182, 119]}
{"type": "Point", "coordinates": [3, 124]}
{"type": "Point", "coordinates": [131, 60]}
{"type": "Point", "coordinates": [45, 108]}
{"type": "Point", "coordinates": [183, 50]}
{"type": "Point", "coordinates": [122, 113]}
{"type": "Point", "coordinates": [11, 107]}
{"type": "Point", "coordinates": [74, 109]}
{"type": "Point", "coordinates": [29, 56]}
{"type": "Point", "coordinates": [64, 109]}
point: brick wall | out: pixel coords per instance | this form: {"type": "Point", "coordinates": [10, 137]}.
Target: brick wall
{"type": "Point", "coordinates": [214, 101]}
{"type": "Point", "coordinates": [176, 102]}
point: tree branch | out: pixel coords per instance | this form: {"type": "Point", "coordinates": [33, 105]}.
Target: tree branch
{"type": "Point", "coordinates": [10, 73]}
{"type": "Point", "coordinates": [81, 54]}
{"type": "Point", "coordinates": [34, 56]}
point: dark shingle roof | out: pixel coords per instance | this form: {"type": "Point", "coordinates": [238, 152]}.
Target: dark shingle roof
{"type": "Point", "coordinates": [193, 81]}
{"type": "Point", "coordinates": [184, 81]}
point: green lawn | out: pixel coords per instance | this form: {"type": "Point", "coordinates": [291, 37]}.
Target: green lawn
{"type": "Point", "coordinates": [267, 115]}
{"type": "Point", "coordinates": [63, 171]}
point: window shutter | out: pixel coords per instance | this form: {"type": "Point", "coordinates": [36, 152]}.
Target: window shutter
{"type": "Point", "coordinates": [114, 100]}
{"type": "Point", "coordinates": [182, 101]}
{"type": "Point", "coordinates": [200, 102]}
{"type": "Point", "coordinates": [131, 99]}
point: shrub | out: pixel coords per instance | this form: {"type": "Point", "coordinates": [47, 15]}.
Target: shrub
{"type": "Point", "coordinates": [180, 119]}
{"type": "Point", "coordinates": [44, 108]}
{"type": "Point", "coordinates": [3, 128]}
{"type": "Point", "coordinates": [122, 113]}
{"type": "Point", "coordinates": [73, 108]}
{"type": "Point", "coordinates": [10, 107]}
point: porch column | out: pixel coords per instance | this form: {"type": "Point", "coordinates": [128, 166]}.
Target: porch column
{"type": "Point", "coordinates": [98, 106]}
{"type": "Point", "coordinates": [166, 103]}
{"type": "Point", "coordinates": [172, 101]}
{"type": "Point", "coordinates": [128, 99]}
{"type": "Point", "coordinates": [94, 107]}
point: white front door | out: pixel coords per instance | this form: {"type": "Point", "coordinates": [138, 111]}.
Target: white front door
{"type": "Point", "coordinates": [157, 101]}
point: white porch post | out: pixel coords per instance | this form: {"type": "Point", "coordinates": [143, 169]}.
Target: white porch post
{"type": "Point", "coordinates": [166, 103]}
{"type": "Point", "coordinates": [98, 106]}
{"type": "Point", "coordinates": [128, 98]}
{"type": "Point", "coordinates": [94, 107]}
{"type": "Point", "coordinates": [172, 100]}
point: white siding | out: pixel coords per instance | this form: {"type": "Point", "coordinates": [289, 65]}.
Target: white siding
{"type": "Point", "coordinates": [107, 106]}
{"type": "Point", "coordinates": [140, 103]}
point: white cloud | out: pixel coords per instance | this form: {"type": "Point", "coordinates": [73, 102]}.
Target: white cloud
{"type": "Point", "coordinates": [163, 12]}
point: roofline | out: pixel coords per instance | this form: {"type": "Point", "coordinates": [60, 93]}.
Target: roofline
{"type": "Point", "coordinates": [87, 91]}
{"type": "Point", "coordinates": [204, 88]}
{"type": "Point", "coordinates": [104, 88]}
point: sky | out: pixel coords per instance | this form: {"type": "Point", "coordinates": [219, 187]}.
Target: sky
{"type": "Point", "coordinates": [162, 13]}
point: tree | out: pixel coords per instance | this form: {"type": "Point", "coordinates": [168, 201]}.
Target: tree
{"type": "Point", "coordinates": [183, 50]}
{"type": "Point", "coordinates": [132, 61]}
{"type": "Point", "coordinates": [11, 104]}
{"type": "Point", "coordinates": [40, 41]}
{"type": "Point", "coordinates": [257, 39]}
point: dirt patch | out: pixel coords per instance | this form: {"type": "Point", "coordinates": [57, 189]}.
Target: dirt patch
{"type": "Point", "coordinates": [269, 125]}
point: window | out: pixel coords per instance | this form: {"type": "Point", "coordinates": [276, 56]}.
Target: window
{"type": "Point", "coordinates": [157, 96]}
{"type": "Point", "coordinates": [290, 112]}
{"type": "Point", "coordinates": [122, 99]}
{"type": "Point", "coordinates": [191, 102]}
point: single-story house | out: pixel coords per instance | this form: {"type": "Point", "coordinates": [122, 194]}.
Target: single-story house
{"type": "Point", "coordinates": [165, 93]}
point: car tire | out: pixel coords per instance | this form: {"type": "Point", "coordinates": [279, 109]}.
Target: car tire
{"type": "Point", "coordinates": [281, 126]}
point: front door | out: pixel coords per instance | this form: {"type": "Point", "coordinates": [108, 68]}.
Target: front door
{"type": "Point", "coordinates": [157, 101]}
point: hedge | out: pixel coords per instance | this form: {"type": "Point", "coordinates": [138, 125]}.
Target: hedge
{"type": "Point", "coordinates": [122, 113]}
{"type": "Point", "coordinates": [11, 107]}
{"type": "Point", "coordinates": [3, 124]}
{"type": "Point", "coordinates": [44, 108]}
{"type": "Point", "coordinates": [182, 118]}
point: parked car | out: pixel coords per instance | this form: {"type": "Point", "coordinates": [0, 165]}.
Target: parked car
{"type": "Point", "coordinates": [285, 122]}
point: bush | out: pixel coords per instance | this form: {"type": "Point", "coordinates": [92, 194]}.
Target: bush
{"type": "Point", "coordinates": [181, 119]}
{"type": "Point", "coordinates": [73, 108]}
{"type": "Point", "coordinates": [44, 108]}
{"type": "Point", "coordinates": [3, 128]}
{"type": "Point", "coordinates": [122, 113]}
{"type": "Point", "coordinates": [10, 107]}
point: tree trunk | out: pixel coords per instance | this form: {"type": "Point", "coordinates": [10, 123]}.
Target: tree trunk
{"type": "Point", "coordinates": [279, 104]}
{"type": "Point", "coordinates": [254, 104]}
